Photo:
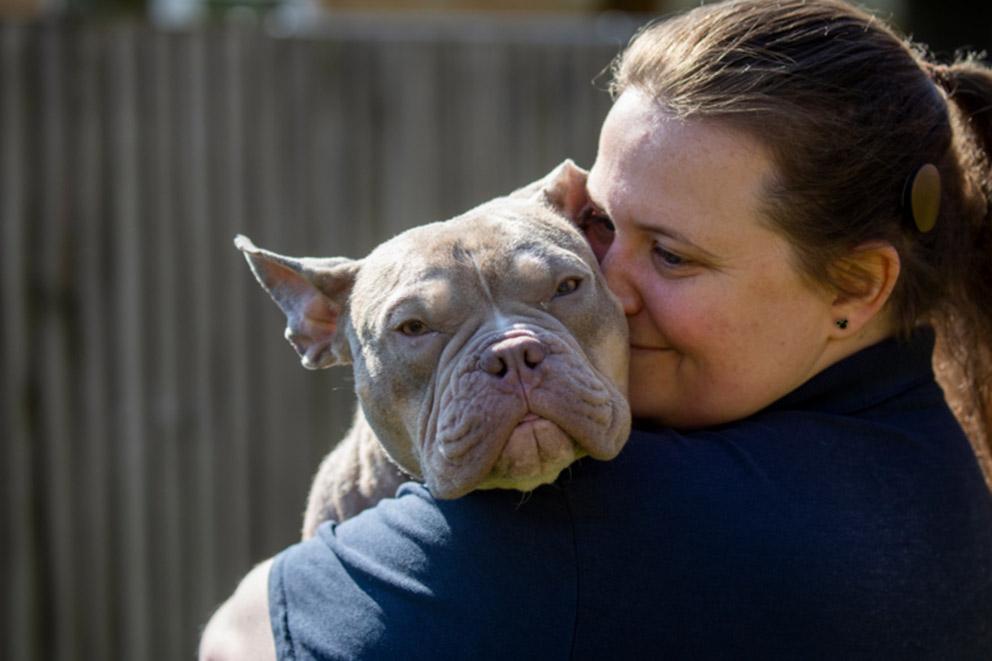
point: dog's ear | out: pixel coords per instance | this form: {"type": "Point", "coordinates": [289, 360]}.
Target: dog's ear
{"type": "Point", "coordinates": [563, 189]}
{"type": "Point", "coordinates": [313, 294]}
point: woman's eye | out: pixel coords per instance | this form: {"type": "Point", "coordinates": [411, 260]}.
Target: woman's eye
{"type": "Point", "coordinates": [413, 328]}
{"type": "Point", "coordinates": [567, 286]}
{"type": "Point", "coordinates": [668, 258]}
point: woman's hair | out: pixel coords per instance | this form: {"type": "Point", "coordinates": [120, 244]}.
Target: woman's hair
{"type": "Point", "coordinates": [850, 111]}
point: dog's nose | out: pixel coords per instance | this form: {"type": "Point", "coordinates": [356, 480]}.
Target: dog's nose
{"type": "Point", "coordinates": [519, 355]}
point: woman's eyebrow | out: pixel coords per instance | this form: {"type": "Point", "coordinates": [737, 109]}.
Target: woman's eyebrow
{"type": "Point", "coordinates": [656, 228]}
{"type": "Point", "coordinates": [664, 230]}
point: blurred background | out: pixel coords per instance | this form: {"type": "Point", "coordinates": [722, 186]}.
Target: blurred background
{"type": "Point", "coordinates": [158, 434]}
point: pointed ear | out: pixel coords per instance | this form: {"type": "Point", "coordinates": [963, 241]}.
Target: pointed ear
{"type": "Point", "coordinates": [868, 275]}
{"type": "Point", "coordinates": [563, 189]}
{"type": "Point", "coordinates": [313, 294]}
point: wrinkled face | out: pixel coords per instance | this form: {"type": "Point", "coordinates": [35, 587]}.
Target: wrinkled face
{"type": "Point", "coordinates": [721, 323]}
{"type": "Point", "coordinates": [488, 351]}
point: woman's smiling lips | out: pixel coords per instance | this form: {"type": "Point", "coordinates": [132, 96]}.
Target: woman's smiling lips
{"type": "Point", "coordinates": [643, 347]}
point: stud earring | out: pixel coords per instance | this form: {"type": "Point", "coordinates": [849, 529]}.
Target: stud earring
{"type": "Point", "coordinates": [841, 323]}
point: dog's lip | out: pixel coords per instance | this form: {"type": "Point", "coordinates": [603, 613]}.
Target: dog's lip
{"type": "Point", "coordinates": [533, 419]}
{"type": "Point", "coordinates": [530, 417]}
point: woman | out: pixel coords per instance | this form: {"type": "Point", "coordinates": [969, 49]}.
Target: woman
{"type": "Point", "coordinates": [787, 200]}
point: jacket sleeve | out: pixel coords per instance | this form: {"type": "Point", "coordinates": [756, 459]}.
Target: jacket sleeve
{"type": "Point", "coordinates": [419, 578]}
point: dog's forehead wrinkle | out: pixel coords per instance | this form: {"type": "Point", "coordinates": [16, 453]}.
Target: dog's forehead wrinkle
{"type": "Point", "coordinates": [395, 275]}
{"type": "Point", "coordinates": [431, 296]}
{"type": "Point", "coordinates": [483, 284]}
{"type": "Point", "coordinates": [370, 293]}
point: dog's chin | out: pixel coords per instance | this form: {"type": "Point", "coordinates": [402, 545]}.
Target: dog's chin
{"type": "Point", "coordinates": [523, 484]}
{"type": "Point", "coordinates": [536, 452]}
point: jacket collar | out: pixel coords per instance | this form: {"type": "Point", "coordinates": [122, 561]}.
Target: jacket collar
{"type": "Point", "coordinates": [868, 377]}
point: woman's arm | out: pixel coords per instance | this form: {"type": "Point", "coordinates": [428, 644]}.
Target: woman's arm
{"type": "Point", "coordinates": [240, 628]}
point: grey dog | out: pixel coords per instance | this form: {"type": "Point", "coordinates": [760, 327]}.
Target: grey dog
{"type": "Point", "coordinates": [487, 350]}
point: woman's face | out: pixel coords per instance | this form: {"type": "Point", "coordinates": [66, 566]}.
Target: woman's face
{"type": "Point", "coordinates": [721, 323]}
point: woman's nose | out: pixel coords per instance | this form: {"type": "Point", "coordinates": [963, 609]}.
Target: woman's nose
{"type": "Point", "coordinates": [620, 278]}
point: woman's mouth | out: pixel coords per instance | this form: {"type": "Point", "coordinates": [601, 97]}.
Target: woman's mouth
{"type": "Point", "coordinates": [646, 347]}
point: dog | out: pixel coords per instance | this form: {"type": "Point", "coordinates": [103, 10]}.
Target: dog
{"type": "Point", "coordinates": [487, 350]}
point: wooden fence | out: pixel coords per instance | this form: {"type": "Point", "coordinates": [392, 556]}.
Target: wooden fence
{"type": "Point", "coordinates": [158, 433]}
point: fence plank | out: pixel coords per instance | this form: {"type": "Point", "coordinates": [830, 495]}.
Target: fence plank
{"type": "Point", "coordinates": [20, 609]}
{"type": "Point", "coordinates": [199, 310]}
{"type": "Point", "coordinates": [166, 477]}
{"type": "Point", "coordinates": [234, 499]}
{"type": "Point", "coordinates": [94, 321]}
{"type": "Point", "coordinates": [132, 463]}
{"type": "Point", "coordinates": [52, 287]}
{"type": "Point", "coordinates": [409, 139]}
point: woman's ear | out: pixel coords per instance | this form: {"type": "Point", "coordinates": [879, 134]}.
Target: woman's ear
{"type": "Point", "coordinates": [868, 275]}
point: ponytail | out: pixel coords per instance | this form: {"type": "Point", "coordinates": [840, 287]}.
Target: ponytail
{"type": "Point", "coordinates": [968, 84]}
{"type": "Point", "coordinates": [964, 322]}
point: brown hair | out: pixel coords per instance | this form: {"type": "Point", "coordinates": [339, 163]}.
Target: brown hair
{"type": "Point", "coordinates": [849, 111]}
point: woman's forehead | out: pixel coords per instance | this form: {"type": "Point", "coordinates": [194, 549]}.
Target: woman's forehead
{"type": "Point", "coordinates": [689, 175]}
{"type": "Point", "coordinates": [640, 127]}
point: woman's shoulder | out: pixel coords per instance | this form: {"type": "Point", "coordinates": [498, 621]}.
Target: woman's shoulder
{"type": "Point", "coordinates": [783, 527]}
{"type": "Point", "coordinates": [818, 453]}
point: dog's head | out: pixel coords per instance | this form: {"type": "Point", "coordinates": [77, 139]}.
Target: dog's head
{"type": "Point", "coordinates": [487, 350]}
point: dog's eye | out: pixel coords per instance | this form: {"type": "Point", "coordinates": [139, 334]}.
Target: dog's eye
{"type": "Point", "coordinates": [413, 328]}
{"type": "Point", "coordinates": [567, 286]}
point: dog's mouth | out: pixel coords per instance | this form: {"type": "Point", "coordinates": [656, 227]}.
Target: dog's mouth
{"type": "Point", "coordinates": [535, 453]}
{"type": "Point", "coordinates": [488, 433]}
